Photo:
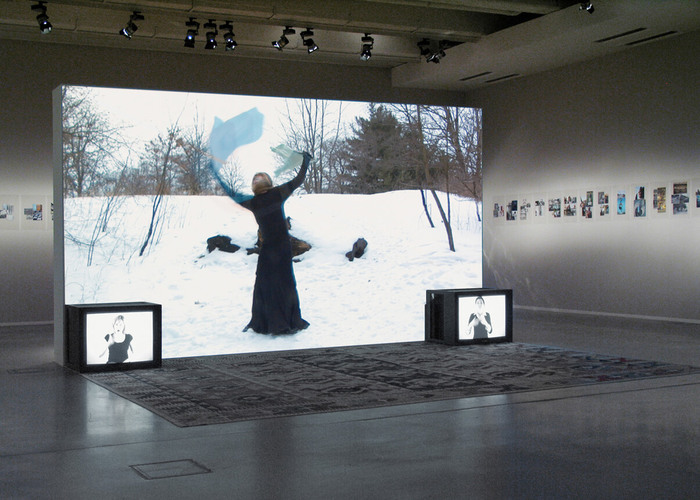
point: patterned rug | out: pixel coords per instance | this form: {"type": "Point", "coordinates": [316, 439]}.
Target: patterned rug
{"type": "Point", "coordinates": [221, 389]}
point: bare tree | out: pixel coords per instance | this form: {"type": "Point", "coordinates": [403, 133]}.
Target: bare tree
{"type": "Point", "coordinates": [90, 143]}
{"type": "Point", "coordinates": [163, 155]}
{"type": "Point", "coordinates": [457, 131]}
{"type": "Point", "coordinates": [317, 128]}
{"type": "Point", "coordinates": [193, 175]}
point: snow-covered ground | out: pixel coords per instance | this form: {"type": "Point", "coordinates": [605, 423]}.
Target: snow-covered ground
{"type": "Point", "coordinates": [206, 297]}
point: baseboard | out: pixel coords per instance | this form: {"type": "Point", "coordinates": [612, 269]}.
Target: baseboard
{"type": "Point", "coordinates": [28, 323]}
{"type": "Point", "coordinates": [609, 314]}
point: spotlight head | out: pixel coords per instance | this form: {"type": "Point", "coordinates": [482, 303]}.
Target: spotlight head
{"type": "Point", "coordinates": [130, 28]}
{"type": "Point", "coordinates": [211, 35]}
{"type": "Point", "coordinates": [587, 6]}
{"type": "Point", "coordinates": [44, 25]}
{"type": "Point", "coordinates": [310, 45]}
{"type": "Point", "coordinates": [367, 46]}
{"type": "Point", "coordinates": [424, 46]}
{"type": "Point", "coordinates": [308, 41]}
{"type": "Point", "coordinates": [435, 57]}
{"type": "Point", "coordinates": [281, 43]}
{"type": "Point", "coordinates": [42, 19]}
{"type": "Point", "coordinates": [192, 32]}
{"type": "Point", "coordinates": [283, 40]}
{"type": "Point", "coordinates": [230, 42]}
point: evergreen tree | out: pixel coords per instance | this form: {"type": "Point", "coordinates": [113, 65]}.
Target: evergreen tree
{"type": "Point", "coordinates": [377, 155]}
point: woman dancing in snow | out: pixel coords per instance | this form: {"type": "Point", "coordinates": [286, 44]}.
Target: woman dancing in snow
{"type": "Point", "coordinates": [275, 299]}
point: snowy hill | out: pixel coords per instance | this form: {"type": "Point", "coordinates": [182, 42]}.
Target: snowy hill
{"type": "Point", "coordinates": [206, 297]}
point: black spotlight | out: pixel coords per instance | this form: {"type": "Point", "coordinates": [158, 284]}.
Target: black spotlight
{"type": "Point", "coordinates": [211, 35]}
{"type": "Point", "coordinates": [283, 40]}
{"type": "Point", "coordinates": [367, 46]}
{"type": "Point", "coordinates": [192, 32]}
{"type": "Point", "coordinates": [435, 57]}
{"type": "Point", "coordinates": [130, 28]}
{"type": "Point", "coordinates": [308, 41]}
{"type": "Point", "coordinates": [43, 20]}
{"type": "Point", "coordinates": [427, 51]}
{"type": "Point", "coordinates": [227, 28]}
{"type": "Point", "coordinates": [424, 46]}
{"type": "Point", "coordinates": [587, 6]}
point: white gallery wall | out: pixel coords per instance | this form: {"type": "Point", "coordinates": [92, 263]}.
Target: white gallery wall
{"type": "Point", "coordinates": [30, 71]}
{"type": "Point", "coordinates": [612, 124]}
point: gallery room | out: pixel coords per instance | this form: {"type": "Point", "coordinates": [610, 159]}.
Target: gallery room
{"type": "Point", "coordinates": [542, 166]}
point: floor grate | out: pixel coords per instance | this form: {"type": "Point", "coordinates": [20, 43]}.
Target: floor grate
{"type": "Point", "coordinates": [173, 468]}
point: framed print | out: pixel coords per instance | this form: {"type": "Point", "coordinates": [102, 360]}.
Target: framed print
{"type": "Point", "coordinates": [680, 198]}
{"type": "Point", "coordinates": [659, 199]}
{"type": "Point", "coordinates": [602, 204]}
{"type": "Point", "coordinates": [498, 212]}
{"type": "Point", "coordinates": [639, 207]}
{"type": "Point", "coordinates": [554, 208]}
{"type": "Point", "coordinates": [570, 207]}
{"type": "Point", "coordinates": [35, 212]}
{"type": "Point", "coordinates": [525, 209]}
{"type": "Point", "coordinates": [539, 208]}
{"type": "Point", "coordinates": [621, 203]}
{"type": "Point", "coordinates": [512, 209]}
{"type": "Point", "coordinates": [586, 207]}
{"type": "Point", "coordinates": [9, 216]}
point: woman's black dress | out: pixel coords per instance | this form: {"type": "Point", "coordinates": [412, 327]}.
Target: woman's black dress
{"type": "Point", "coordinates": [275, 298]}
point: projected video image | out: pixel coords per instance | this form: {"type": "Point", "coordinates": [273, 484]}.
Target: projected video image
{"type": "Point", "coordinates": [119, 337]}
{"type": "Point", "coordinates": [156, 190]}
{"type": "Point", "coordinates": [482, 317]}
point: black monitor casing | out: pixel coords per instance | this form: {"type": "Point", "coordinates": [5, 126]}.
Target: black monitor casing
{"type": "Point", "coordinates": [442, 315]}
{"type": "Point", "coordinates": [76, 335]}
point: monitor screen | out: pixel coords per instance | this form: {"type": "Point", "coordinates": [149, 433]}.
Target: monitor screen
{"type": "Point", "coordinates": [469, 315]}
{"type": "Point", "coordinates": [118, 336]}
{"type": "Point", "coordinates": [481, 317]}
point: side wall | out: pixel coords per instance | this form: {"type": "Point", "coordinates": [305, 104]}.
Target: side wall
{"type": "Point", "coordinates": [31, 71]}
{"type": "Point", "coordinates": [630, 119]}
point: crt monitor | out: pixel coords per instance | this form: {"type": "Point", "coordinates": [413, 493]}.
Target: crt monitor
{"type": "Point", "coordinates": [469, 315]}
{"type": "Point", "coordinates": [116, 336]}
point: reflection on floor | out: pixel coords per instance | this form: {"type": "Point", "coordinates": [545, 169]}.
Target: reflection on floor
{"type": "Point", "coordinates": [64, 437]}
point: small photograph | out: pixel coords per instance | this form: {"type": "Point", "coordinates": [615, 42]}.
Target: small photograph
{"type": "Point", "coordinates": [621, 203]}
{"type": "Point", "coordinates": [525, 208]}
{"type": "Point", "coordinates": [10, 215]}
{"type": "Point", "coordinates": [555, 207]}
{"type": "Point", "coordinates": [570, 206]}
{"type": "Point", "coordinates": [539, 208]}
{"type": "Point", "coordinates": [512, 210]}
{"type": "Point", "coordinates": [498, 210]}
{"type": "Point", "coordinates": [640, 202]}
{"type": "Point", "coordinates": [603, 203]}
{"type": "Point", "coordinates": [680, 198]}
{"type": "Point", "coordinates": [35, 212]}
{"type": "Point", "coordinates": [659, 201]}
{"type": "Point", "coordinates": [31, 212]}
{"type": "Point", "coordinates": [586, 205]}
{"type": "Point", "coordinates": [7, 211]}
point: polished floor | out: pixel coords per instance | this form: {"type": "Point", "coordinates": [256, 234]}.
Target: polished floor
{"type": "Point", "coordinates": [64, 437]}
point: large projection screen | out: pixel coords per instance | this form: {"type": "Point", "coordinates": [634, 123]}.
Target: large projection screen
{"type": "Point", "coordinates": [140, 203]}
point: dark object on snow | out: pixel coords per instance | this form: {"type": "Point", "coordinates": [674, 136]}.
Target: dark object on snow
{"type": "Point", "coordinates": [221, 242]}
{"type": "Point", "coordinates": [298, 246]}
{"type": "Point", "coordinates": [358, 249]}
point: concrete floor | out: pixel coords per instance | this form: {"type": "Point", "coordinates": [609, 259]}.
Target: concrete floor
{"type": "Point", "coordinates": [64, 437]}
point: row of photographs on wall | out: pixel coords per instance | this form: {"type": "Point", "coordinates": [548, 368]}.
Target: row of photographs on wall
{"type": "Point", "coordinates": [604, 204]}
{"type": "Point", "coordinates": [25, 212]}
